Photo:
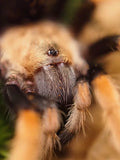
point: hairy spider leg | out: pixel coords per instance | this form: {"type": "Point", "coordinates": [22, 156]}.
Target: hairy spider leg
{"type": "Point", "coordinates": [37, 122]}
{"type": "Point", "coordinates": [108, 98]}
{"type": "Point", "coordinates": [77, 114]}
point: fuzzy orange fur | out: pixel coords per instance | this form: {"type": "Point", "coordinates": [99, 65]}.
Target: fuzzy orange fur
{"type": "Point", "coordinates": [27, 143]}
{"type": "Point", "coordinates": [29, 51]}
{"type": "Point", "coordinates": [109, 99]}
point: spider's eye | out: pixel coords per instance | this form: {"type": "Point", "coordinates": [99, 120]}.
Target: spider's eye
{"type": "Point", "coordinates": [52, 52]}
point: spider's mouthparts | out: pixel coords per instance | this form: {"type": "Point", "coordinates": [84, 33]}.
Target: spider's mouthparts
{"type": "Point", "coordinates": [56, 82]}
{"type": "Point", "coordinates": [46, 67]}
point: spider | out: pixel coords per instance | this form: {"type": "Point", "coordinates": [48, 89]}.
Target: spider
{"type": "Point", "coordinates": [49, 84]}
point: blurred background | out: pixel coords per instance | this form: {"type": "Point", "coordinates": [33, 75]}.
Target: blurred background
{"type": "Point", "coordinates": [103, 19]}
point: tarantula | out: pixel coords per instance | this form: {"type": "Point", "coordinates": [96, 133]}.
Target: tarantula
{"type": "Point", "coordinates": [48, 80]}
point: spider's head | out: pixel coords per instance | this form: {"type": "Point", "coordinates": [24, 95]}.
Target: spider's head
{"type": "Point", "coordinates": [52, 60]}
{"type": "Point", "coordinates": [52, 70]}
{"type": "Point", "coordinates": [47, 53]}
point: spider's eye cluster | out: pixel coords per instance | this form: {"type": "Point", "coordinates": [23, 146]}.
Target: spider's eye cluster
{"type": "Point", "coordinates": [52, 52]}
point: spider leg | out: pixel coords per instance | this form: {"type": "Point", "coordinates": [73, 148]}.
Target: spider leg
{"type": "Point", "coordinates": [108, 98]}
{"type": "Point", "coordinates": [36, 125]}
{"type": "Point", "coordinates": [77, 114]}
{"type": "Point", "coordinates": [28, 126]}
{"type": "Point", "coordinates": [103, 47]}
